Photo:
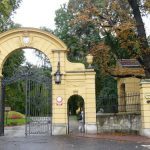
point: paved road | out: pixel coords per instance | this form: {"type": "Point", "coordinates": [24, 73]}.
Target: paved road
{"type": "Point", "coordinates": [15, 139]}
{"type": "Point", "coordinates": [65, 143]}
{"type": "Point", "coordinates": [16, 131]}
{"type": "Point", "coordinates": [19, 131]}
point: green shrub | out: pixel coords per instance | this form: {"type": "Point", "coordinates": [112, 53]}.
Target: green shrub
{"type": "Point", "coordinates": [13, 123]}
{"type": "Point", "coordinates": [14, 115]}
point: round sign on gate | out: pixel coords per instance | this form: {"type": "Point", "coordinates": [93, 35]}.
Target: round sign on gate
{"type": "Point", "coordinates": [59, 100]}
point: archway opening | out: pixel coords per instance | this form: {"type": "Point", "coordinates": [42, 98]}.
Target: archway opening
{"type": "Point", "coordinates": [75, 107]}
{"type": "Point", "coordinates": [27, 93]}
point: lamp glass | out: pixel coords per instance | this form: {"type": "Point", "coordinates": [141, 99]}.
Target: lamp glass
{"type": "Point", "coordinates": [57, 77]}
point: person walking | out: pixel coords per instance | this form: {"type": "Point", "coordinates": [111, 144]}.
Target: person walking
{"type": "Point", "coordinates": [81, 121]}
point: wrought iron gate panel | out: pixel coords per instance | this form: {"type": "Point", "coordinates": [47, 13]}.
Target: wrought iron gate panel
{"type": "Point", "coordinates": [37, 107]}
{"type": "Point", "coordinates": [38, 101]}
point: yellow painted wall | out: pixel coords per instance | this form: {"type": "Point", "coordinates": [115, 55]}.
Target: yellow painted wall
{"type": "Point", "coordinates": [132, 87]}
{"type": "Point", "coordinates": [145, 107]}
{"type": "Point", "coordinates": [75, 78]}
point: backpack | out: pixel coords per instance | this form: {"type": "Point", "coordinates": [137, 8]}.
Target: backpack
{"type": "Point", "coordinates": [80, 117]}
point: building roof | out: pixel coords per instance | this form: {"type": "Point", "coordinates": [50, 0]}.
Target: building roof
{"type": "Point", "coordinates": [128, 68]}
{"type": "Point", "coordinates": [129, 63]}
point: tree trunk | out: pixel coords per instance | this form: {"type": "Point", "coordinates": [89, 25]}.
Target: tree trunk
{"type": "Point", "coordinates": [146, 62]}
{"type": "Point", "coordinates": [142, 36]}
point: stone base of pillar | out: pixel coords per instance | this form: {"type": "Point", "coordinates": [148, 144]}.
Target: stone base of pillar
{"type": "Point", "coordinates": [59, 129]}
{"type": "Point", "coordinates": [1, 134]}
{"type": "Point", "coordinates": [145, 132]}
{"type": "Point", "coordinates": [90, 128]}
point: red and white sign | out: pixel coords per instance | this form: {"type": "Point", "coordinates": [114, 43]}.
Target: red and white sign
{"type": "Point", "coordinates": [59, 100]}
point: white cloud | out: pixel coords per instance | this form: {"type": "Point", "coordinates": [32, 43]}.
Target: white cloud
{"type": "Point", "coordinates": [31, 57]}
{"type": "Point", "coordinates": [147, 24]}
{"type": "Point", "coordinates": [37, 13]}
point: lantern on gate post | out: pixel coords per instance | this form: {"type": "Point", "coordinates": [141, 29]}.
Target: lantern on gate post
{"type": "Point", "coordinates": [57, 75]}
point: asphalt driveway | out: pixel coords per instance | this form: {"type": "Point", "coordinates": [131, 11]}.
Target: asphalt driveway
{"type": "Point", "coordinates": [15, 139]}
{"type": "Point", "coordinates": [66, 143]}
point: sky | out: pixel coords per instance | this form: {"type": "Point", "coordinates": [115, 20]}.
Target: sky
{"type": "Point", "coordinates": [39, 13]}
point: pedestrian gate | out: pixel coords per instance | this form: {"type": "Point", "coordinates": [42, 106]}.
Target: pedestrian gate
{"type": "Point", "coordinates": [37, 93]}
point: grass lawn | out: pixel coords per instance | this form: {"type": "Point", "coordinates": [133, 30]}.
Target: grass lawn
{"type": "Point", "coordinates": [73, 117]}
{"type": "Point", "coordinates": [14, 118]}
{"type": "Point", "coordinates": [15, 122]}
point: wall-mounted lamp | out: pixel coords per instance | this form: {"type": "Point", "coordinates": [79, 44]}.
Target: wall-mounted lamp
{"type": "Point", "coordinates": [148, 101]}
{"type": "Point", "coordinates": [57, 75]}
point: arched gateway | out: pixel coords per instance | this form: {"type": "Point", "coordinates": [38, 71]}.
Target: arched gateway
{"type": "Point", "coordinates": [75, 79]}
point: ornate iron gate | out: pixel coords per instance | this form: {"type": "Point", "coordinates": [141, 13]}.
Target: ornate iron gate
{"type": "Point", "coordinates": [37, 100]}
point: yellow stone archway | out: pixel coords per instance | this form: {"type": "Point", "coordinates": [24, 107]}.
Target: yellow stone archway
{"type": "Point", "coordinates": [75, 78]}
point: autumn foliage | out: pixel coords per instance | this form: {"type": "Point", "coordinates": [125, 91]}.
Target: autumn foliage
{"type": "Point", "coordinates": [122, 19]}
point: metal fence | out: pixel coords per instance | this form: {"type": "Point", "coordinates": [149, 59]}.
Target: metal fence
{"type": "Point", "coordinates": [130, 102]}
{"type": "Point", "coordinates": [119, 114]}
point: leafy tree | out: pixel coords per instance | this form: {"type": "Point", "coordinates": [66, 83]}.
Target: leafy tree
{"type": "Point", "coordinates": [47, 29]}
{"type": "Point", "coordinates": [122, 20]}
{"type": "Point", "coordinates": [15, 93]}
{"type": "Point", "coordinates": [44, 59]}
{"type": "Point", "coordinates": [7, 8]}
{"type": "Point", "coordinates": [74, 35]}
{"type": "Point", "coordinates": [144, 47]}
{"type": "Point", "coordinates": [80, 36]}
{"type": "Point", "coordinates": [15, 97]}
{"type": "Point", "coordinates": [13, 62]}
{"type": "Point", "coordinates": [63, 16]}
{"type": "Point", "coordinates": [148, 40]}
{"type": "Point", "coordinates": [110, 30]}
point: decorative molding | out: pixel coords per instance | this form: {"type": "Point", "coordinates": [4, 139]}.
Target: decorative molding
{"type": "Point", "coordinates": [147, 96]}
{"type": "Point", "coordinates": [75, 84]}
{"type": "Point", "coordinates": [59, 50]}
{"type": "Point", "coordinates": [75, 92]}
{"type": "Point", "coordinates": [82, 71]}
{"type": "Point", "coordinates": [26, 39]}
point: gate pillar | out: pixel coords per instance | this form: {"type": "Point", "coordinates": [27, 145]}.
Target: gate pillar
{"type": "Point", "coordinates": [59, 112]}
{"type": "Point", "coordinates": [79, 82]}
{"type": "Point", "coordinates": [76, 79]}
{"type": "Point", "coordinates": [90, 102]}
{"type": "Point", "coordinates": [59, 109]}
{"type": "Point", "coordinates": [1, 107]}
{"type": "Point", "coordinates": [145, 107]}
